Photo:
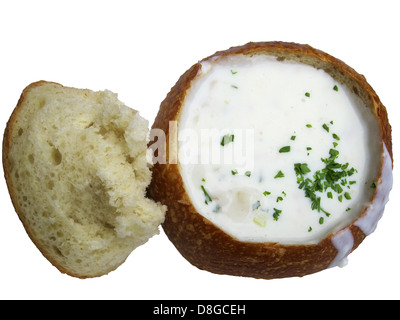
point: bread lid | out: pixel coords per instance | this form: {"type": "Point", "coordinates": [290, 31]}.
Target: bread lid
{"type": "Point", "coordinates": [76, 167]}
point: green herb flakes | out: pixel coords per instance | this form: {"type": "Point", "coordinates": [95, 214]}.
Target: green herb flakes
{"type": "Point", "coordinates": [347, 196]}
{"type": "Point", "coordinates": [276, 214]}
{"type": "Point", "coordinates": [334, 154]}
{"type": "Point", "coordinates": [331, 177]}
{"type": "Point", "coordinates": [301, 168]}
{"type": "Point", "coordinates": [280, 174]}
{"type": "Point", "coordinates": [208, 198]}
{"type": "Point", "coordinates": [227, 139]}
{"type": "Point", "coordinates": [284, 149]}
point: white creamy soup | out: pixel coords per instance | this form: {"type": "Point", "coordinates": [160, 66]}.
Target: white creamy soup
{"type": "Point", "coordinates": [276, 151]}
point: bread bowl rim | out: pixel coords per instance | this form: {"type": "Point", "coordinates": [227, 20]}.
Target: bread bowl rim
{"type": "Point", "coordinates": [209, 246]}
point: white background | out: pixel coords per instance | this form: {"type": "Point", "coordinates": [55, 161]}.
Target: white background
{"type": "Point", "coordinates": [139, 49]}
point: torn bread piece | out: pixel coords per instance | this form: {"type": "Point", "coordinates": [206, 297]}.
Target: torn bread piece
{"type": "Point", "coordinates": [77, 170]}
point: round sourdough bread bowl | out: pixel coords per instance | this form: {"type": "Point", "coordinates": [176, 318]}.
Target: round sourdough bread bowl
{"type": "Point", "coordinates": [315, 171]}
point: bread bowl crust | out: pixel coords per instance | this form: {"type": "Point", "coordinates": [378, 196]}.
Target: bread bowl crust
{"type": "Point", "coordinates": [208, 247]}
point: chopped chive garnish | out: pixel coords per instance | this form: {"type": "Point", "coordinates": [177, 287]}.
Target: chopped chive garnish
{"type": "Point", "coordinates": [276, 214]}
{"type": "Point", "coordinates": [234, 172]}
{"type": "Point", "coordinates": [280, 174]}
{"type": "Point", "coordinates": [308, 125]}
{"type": "Point", "coordinates": [307, 94]}
{"type": "Point", "coordinates": [309, 229]}
{"type": "Point", "coordinates": [265, 193]}
{"type": "Point", "coordinates": [348, 209]}
{"type": "Point", "coordinates": [279, 199]}
{"type": "Point", "coordinates": [301, 168]}
{"type": "Point", "coordinates": [293, 138]}
{"type": "Point", "coordinates": [333, 177]}
{"type": "Point", "coordinates": [373, 185]}
{"type": "Point", "coordinates": [227, 139]}
{"type": "Point", "coordinates": [234, 86]}
{"type": "Point", "coordinates": [335, 87]}
{"type": "Point", "coordinates": [208, 198]}
{"type": "Point", "coordinates": [247, 173]}
{"type": "Point", "coordinates": [351, 171]}
{"type": "Point", "coordinates": [337, 188]}
{"type": "Point", "coordinates": [334, 153]}
{"type": "Point", "coordinates": [284, 149]}
{"type": "Point", "coordinates": [347, 196]}
{"type": "Point", "coordinates": [233, 72]}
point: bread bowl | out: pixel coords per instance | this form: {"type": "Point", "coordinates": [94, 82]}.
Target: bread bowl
{"type": "Point", "coordinates": [77, 167]}
{"type": "Point", "coordinates": [317, 166]}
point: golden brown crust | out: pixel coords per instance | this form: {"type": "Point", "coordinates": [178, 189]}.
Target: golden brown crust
{"type": "Point", "coordinates": [208, 247]}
